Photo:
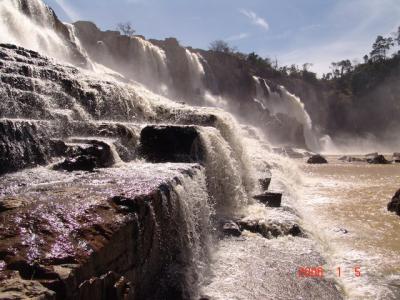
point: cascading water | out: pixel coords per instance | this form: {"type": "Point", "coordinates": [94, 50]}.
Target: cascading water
{"type": "Point", "coordinates": [281, 101]}
{"type": "Point", "coordinates": [196, 70]}
{"type": "Point", "coordinates": [31, 24]}
{"type": "Point", "coordinates": [152, 63]}
{"type": "Point", "coordinates": [85, 105]}
{"type": "Point", "coordinates": [193, 204]}
{"type": "Point", "coordinates": [223, 172]}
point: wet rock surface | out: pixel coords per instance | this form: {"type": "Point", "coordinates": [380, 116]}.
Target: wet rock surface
{"type": "Point", "coordinates": [171, 144]}
{"type": "Point", "coordinates": [72, 230]}
{"type": "Point", "coordinates": [317, 159]}
{"type": "Point", "coordinates": [377, 159]}
{"type": "Point", "coordinates": [271, 228]}
{"type": "Point", "coordinates": [272, 199]}
{"type": "Point", "coordinates": [231, 229]}
{"type": "Point", "coordinates": [394, 204]}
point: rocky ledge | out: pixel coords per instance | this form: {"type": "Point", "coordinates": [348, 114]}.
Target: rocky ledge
{"type": "Point", "coordinates": [117, 233]}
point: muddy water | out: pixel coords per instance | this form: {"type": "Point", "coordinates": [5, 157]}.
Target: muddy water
{"type": "Point", "coordinates": [345, 204]}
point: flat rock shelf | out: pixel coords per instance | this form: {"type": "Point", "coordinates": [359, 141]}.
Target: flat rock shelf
{"type": "Point", "coordinates": [109, 233]}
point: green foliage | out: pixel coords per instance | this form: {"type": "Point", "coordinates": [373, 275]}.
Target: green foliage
{"type": "Point", "coordinates": [257, 61]}
{"type": "Point", "coordinates": [380, 47]}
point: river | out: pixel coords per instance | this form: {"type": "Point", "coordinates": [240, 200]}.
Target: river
{"type": "Point", "coordinates": [344, 206]}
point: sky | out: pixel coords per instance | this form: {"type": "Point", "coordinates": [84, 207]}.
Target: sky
{"type": "Point", "coordinates": [291, 31]}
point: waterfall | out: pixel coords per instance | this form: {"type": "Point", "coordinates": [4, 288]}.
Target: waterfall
{"type": "Point", "coordinates": [224, 179]}
{"type": "Point", "coordinates": [32, 24]}
{"type": "Point", "coordinates": [191, 200]}
{"type": "Point", "coordinates": [152, 63]}
{"type": "Point", "coordinates": [282, 101]}
{"type": "Point", "coordinates": [196, 70]}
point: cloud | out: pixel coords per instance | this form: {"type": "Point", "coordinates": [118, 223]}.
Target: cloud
{"type": "Point", "coordinates": [69, 11]}
{"type": "Point", "coordinates": [237, 37]}
{"type": "Point", "coordinates": [354, 25]}
{"type": "Point", "coordinates": [256, 20]}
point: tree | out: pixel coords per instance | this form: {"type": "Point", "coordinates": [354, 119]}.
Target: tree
{"type": "Point", "coordinates": [397, 36]}
{"type": "Point", "coordinates": [335, 69]}
{"type": "Point", "coordinates": [365, 58]}
{"type": "Point", "coordinates": [380, 47]}
{"type": "Point", "coordinates": [306, 66]}
{"type": "Point", "coordinates": [126, 28]}
{"type": "Point", "coordinates": [257, 61]}
{"type": "Point", "coordinates": [221, 46]}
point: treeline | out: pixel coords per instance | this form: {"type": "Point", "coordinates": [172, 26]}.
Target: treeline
{"type": "Point", "coordinates": [355, 97]}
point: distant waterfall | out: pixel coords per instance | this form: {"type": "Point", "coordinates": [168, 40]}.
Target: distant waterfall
{"type": "Point", "coordinates": [282, 101]}
{"type": "Point", "coordinates": [196, 70]}
{"type": "Point", "coordinates": [151, 62]}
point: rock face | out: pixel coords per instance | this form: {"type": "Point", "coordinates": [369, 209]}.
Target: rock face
{"type": "Point", "coordinates": [317, 159]}
{"type": "Point", "coordinates": [171, 144]}
{"type": "Point", "coordinates": [378, 159]}
{"type": "Point", "coordinates": [271, 199]}
{"type": "Point", "coordinates": [394, 204]}
{"type": "Point", "coordinates": [118, 232]}
{"type": "Point", "coordinates": [22, 144]}
{"type": "Point", "coordinates": [81, 162]}
{"type": "Point", "coordinates": [187, 76]}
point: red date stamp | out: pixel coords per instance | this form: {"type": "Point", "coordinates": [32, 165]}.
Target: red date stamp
{"type": "Point", "coordinates": [319, 272]}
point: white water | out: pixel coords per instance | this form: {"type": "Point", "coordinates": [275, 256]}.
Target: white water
{"type": "Point", "coordinates": [192, 202]}
{"type": "Point", "coordinates": [286, 103]}
{"type": "Point", "coordinates": [35, 31]}
{"type": "Point", "coordinates": [152, 62]}
{"type": "Point", "coordinates": [230, 168]}
{"type": "Point", "coordinates": [196, 70]}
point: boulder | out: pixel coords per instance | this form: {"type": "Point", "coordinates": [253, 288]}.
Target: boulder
{"type": "Point", "coordinates": [97, 149]}
{"type": "Point", "coordinates": [79, 163]}
{"type": "Point", "coordinates": [378, 159]}
{"type": "Point", "coordinates": [396, 157]}
{"type": "Point", "coordinates": [317, 159]}
{"type": "Point", "coordinates": [271, 199]}
{"type": "Point", "coordinates": [394, 204]}
{"type": "Point", "coordinates": [231, 229]}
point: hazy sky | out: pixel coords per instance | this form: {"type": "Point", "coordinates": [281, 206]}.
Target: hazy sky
{"type": "Point", "coordinates": [293, 31]}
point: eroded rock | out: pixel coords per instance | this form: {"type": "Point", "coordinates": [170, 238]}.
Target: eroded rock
{"type": "Point", "coordinates": [378, 159]}
{"type": "Point", "coordinates": [79, 163]}
{"type": "Point", "coordinates": [271, 199]}
{"type": "Point", "coordinates": [171, 144]}
{"type": "Point", "coordinates": [85, 226]}
{"type": "Point", "coordinates": [231, 229]}
{"type": "Point", "coordinates": [271, 228]}
{"type": "Point", "coordinates": [394, 204]}
{"type": "Point", "coordinates": [317, 159]}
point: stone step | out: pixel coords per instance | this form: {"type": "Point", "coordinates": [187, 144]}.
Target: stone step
{"type": "Point", "coordinates": [125, 220]}
{"type": "Point", "coordinates": [270, 198]}
{"type": "Point", "coordinates": [171, 143]}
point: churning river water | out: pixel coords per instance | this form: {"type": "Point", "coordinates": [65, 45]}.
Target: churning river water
{"type": "Point", "coordinates": [344, 206]}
